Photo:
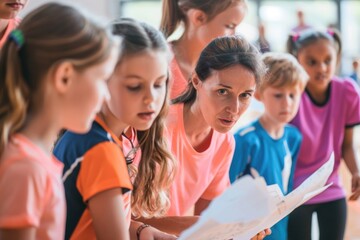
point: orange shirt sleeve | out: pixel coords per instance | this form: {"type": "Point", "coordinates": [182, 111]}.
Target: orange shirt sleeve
{"type": "Point", "coordinates": [103, 168]}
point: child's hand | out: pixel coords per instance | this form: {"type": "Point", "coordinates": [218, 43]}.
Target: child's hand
{"type": "Point", "coordinates": [355, 187]}
{"type": "Point", "coordinates": [261, 235]}
{"type": "Point", "coordinates": [151, 233]}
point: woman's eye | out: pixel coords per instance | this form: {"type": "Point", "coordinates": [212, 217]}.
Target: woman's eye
{"type": "Point", "coordinates": [222, 92]}
{"type": "Point", "coordinates": [245, 95]}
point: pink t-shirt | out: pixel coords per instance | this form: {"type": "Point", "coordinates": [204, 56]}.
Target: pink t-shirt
{"type": "Point", "coordinates": [178, 82]}
{"type": "Point", "coordinates": [11, 26]}
{"type": "Point", "coordinates": [200, 174]}
{"type": "Point", "coordinates": [31, 190]}
{"type": "Point", "coordinates": [323, 129]}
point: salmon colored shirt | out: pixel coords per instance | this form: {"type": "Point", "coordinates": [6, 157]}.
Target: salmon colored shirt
{"type": "Point", "coordinates": [200, 175]}
{"type": "Point", "coordinates": [178, 82]}
{"type": "Point", "coordinates": [31, 190]}
{"type": "Point", "coordinates": [13, 23]}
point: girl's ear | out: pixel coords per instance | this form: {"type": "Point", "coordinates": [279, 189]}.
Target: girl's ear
{"type": "Point", "coordinates": [196, 82]}
{"type": "Point", "coordinates": [63, 76]}
{"type": "Point", "coordinates": [197, 17]}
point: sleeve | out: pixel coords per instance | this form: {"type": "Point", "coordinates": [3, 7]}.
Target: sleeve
{"type": "Point", "coordinates": [221, 180]}
{"type": "Point", "coordinates": [352, 97]}
{"type": "Point", "coordinates": [297, 139]}
{"type": "Point", "coordinates": [103, 168]}
{"type": "Point", "coordinates": [241, 158]}
{"type": "Point", "coordinates": [22, 194]}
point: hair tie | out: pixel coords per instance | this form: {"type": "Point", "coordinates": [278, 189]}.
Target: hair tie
{"type": "Point", "coordinates": [18, 37]}
{"type": "Point", "coordinates": [295, 36]}
{"type": "Point", "coordinates": [330, 32]}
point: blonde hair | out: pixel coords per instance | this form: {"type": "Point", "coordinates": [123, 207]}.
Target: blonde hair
{"type": "Point", "coordinates": [156, 170]}
{"type": "Point", "coordinates": [282, 70]}
{"type": "Point", "coordinates": [53, 33]}
{"type": "Point", "coordinates": [174, 11]}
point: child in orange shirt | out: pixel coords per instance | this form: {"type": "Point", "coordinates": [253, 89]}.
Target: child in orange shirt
{"type": "Point", "coordinates": [8, 20]}
{"type": "Point", "coordinates": [48, 68]}
{"type": "Point", "coordinates": [96, 170]}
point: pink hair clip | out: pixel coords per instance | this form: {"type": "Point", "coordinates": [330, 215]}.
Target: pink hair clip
{"type": "Point", "coordinates": [295, 36]}
{"type": "Point", "coordinates": [330, 32]}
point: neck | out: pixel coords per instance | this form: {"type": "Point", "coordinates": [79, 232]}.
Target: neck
{"type": "Point", "coordinates": [273, 128]}
{"type": "Point", "coordinates": [196, 128]}
{"type": "Point", "coordinates": [3, 25]}
{"type": "Point", "coordinates": [41, 131]}
{"type": "Point", "coordinates": [319, 95]}
{"type": "Point", "coordinates": [112, 122]}
{"type": "Point", "coordinates": [187, 51]}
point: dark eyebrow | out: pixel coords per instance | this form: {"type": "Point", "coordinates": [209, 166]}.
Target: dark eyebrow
{"type": "Point", "coordinates": [225, 86]}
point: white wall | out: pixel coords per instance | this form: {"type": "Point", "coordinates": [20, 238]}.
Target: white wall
{"type": "Point", "coordinates": [107, 9]}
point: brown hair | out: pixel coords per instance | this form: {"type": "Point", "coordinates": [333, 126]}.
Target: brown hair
{"type": "Point", "coordinates": [52, 33]}
{"type": "Point", "coordinates": [282, 70]}
{"type": "Point", "coordinates": [157, 167]}
{"type": "Point", "coordinates": [174, 11]}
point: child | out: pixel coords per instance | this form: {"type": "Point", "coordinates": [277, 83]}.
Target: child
{"type": "Point", "coordinates": [329, 110]}
{"type": "Point", "coordinates": [203, 20]}
{"type": "Point", "coordinates": [269, 144]}
{"type": "Point", "coordinates": [48, 68]}
{"type": "Point", "coordinates": [8, 20]}
{"type": "Point", "coordinates": [96, 174]}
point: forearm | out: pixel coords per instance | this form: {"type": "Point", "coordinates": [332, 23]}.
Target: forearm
{"type": "Point", "coordinates": [173, 225]}
{"type": "Point", "coordinates": [350, 159]}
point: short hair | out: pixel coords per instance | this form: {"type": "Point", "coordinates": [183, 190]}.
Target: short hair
{"type": "Point", "coordinates": [282, 70]}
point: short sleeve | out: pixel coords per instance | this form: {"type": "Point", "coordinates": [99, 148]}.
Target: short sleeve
{"type": "Point", "coordinates": [22, 194]}
{"type": "Point", "coordinates": [221, 180]}
{"type": "Point", "coordinates": [103, 168]}
{"type": "Point", "coordinates": [352, 96]}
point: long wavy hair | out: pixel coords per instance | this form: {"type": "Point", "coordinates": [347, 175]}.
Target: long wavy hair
{"type": "Point", "coordinates": [156, 169]}
{"type": "Point", "coordinates": [52, 33]}
{"type": "Point", "coordinates": [174, 11]}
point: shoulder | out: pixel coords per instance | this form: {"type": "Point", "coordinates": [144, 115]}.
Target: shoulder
{"type": "Point", "coordinates": [249, 133]}
{"type": "Point", "coordinates": [293, 132]}
{"type": "Point", "coordinates": [72, 145]}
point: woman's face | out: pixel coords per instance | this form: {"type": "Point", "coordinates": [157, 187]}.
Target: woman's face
{"type": "Point", "coordinates": [223, 24]}
{"type": "Point", "coordinates": [138, 89]}
{"type": "Point", "coordinates": [319, 61]}
{"type": "Point", "coordinates": [224, 96]}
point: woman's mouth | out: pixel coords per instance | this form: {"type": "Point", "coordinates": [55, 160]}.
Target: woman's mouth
{"type": "Point", "coordinates": [226, 121]}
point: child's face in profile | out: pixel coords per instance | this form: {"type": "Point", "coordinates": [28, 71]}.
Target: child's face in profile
{"type": "Point", "coordinates": [138, 89]}
{"type": "Point", "coordinates": [224, 96]}
{"type": "Point", "coordinates": [10, 8]}
{"type": "Point", "coordinates": [281, 103]}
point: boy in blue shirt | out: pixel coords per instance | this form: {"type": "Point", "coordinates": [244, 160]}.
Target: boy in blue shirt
{"type": "Point", "coordinates": [269, 144]}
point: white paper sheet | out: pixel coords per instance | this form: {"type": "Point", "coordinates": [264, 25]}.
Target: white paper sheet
{"type": "Point", "coordinates": [249, 206]}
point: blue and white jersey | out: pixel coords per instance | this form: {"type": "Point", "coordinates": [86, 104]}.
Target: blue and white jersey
{"type": "Point", "coordinates": [273, 159]}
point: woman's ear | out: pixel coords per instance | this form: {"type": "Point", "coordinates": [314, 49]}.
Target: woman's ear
{"type": "Point", "coordinates": [197, 17]}
{"type": "Point", "coordinates": [196, 82]}
{"type": "Point", "coordinates": [63, 76]}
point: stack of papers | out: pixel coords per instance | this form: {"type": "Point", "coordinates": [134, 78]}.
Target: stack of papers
{"type": "Point", "coordinates": [249, 206]}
